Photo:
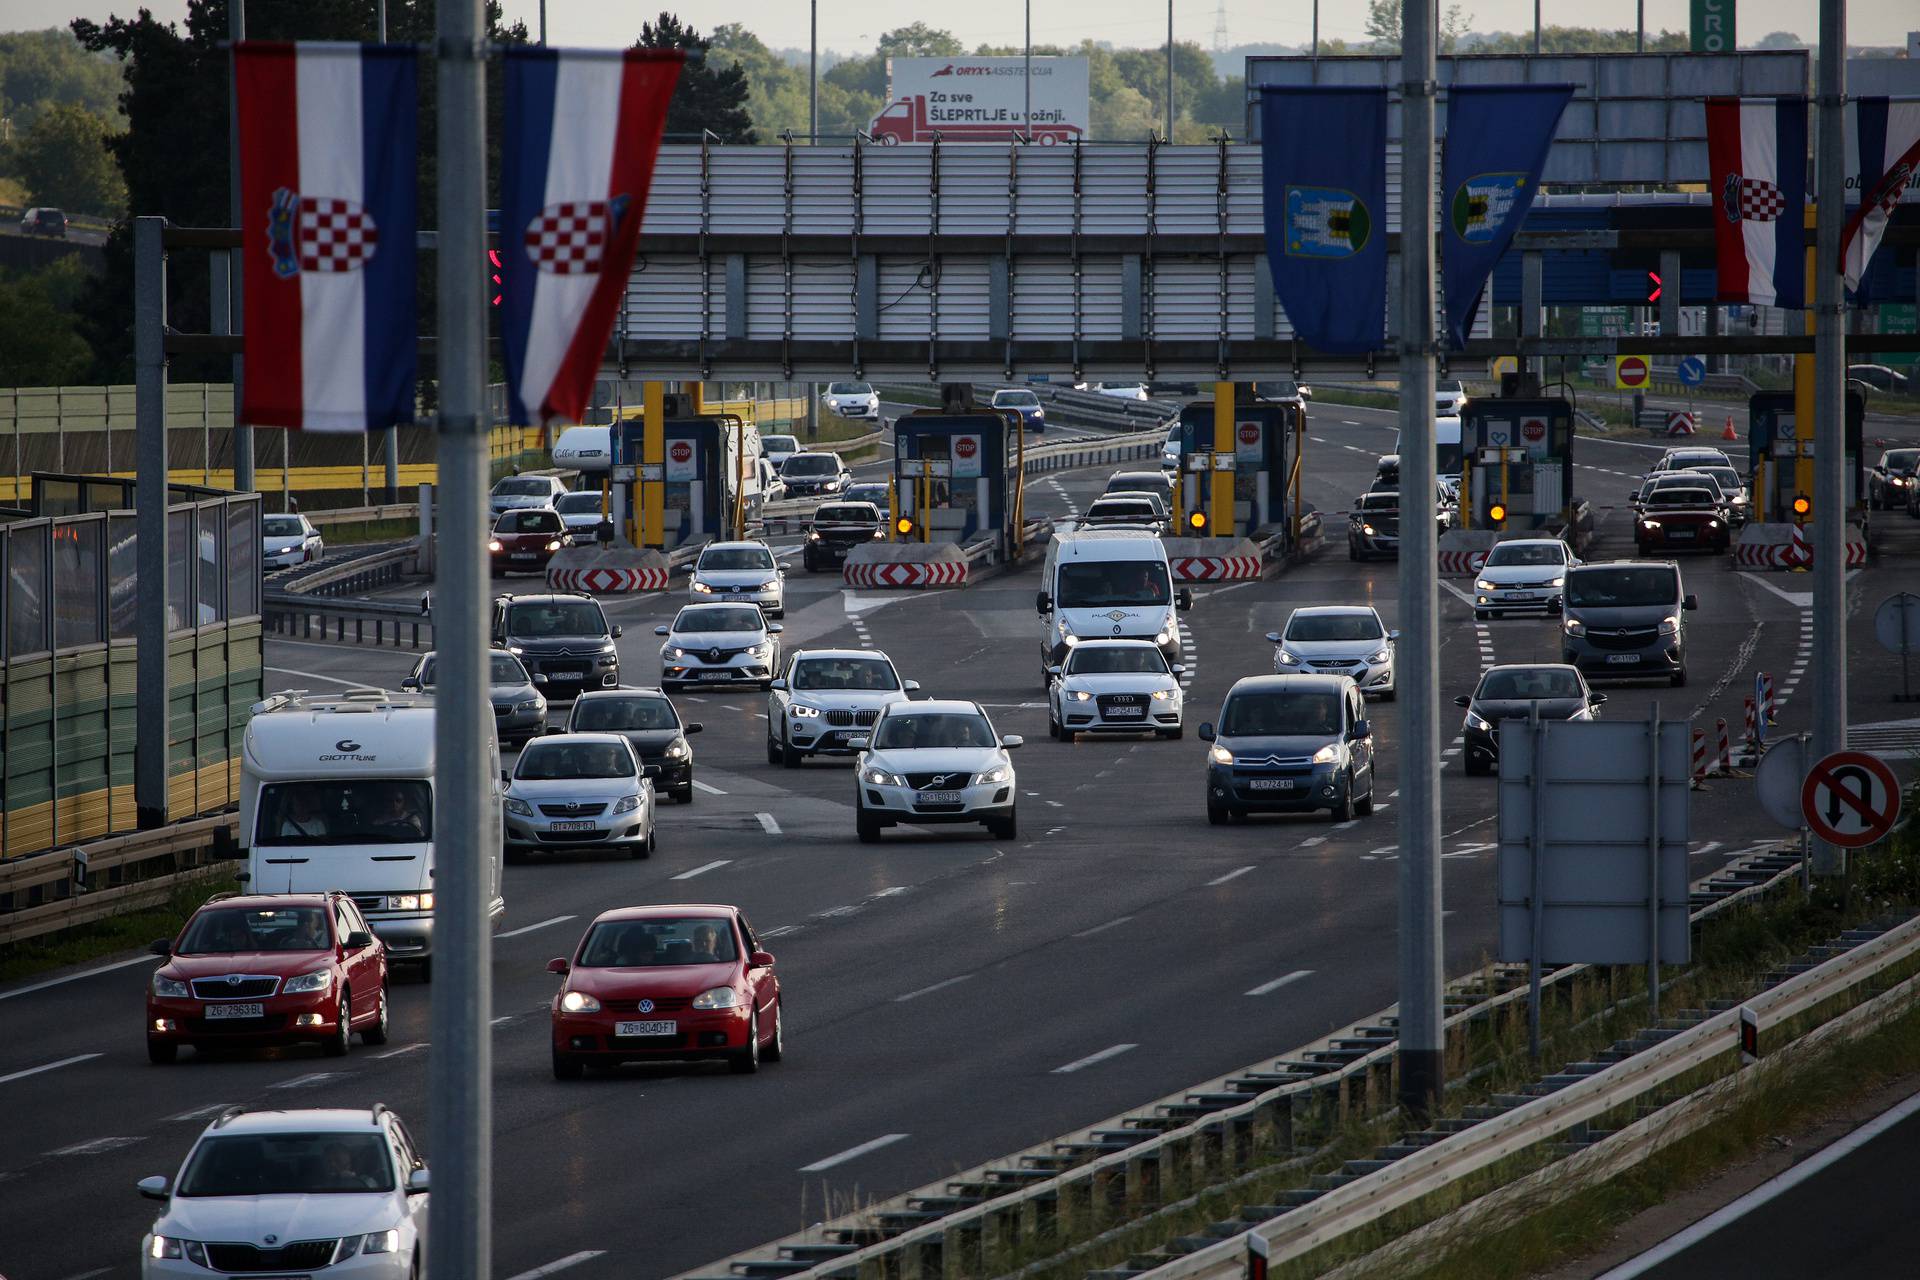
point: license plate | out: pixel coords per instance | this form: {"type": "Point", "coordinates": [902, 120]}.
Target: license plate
{"type": "Point", "coordinates": [1520, 595]}
{"type": "Point", "coordinates": [570, 826]}
{"type": "Point", "coordinates": [936, 797]}
{"type": "Point", "coordinates": [215, 1011]}
{"type": "Point", "coordinates": [523, 555]}
{"type": "Point", "coordinates": [663, 1027]}
{"type": "Point", "coordinates": [1680, 535]}
{"type": "Point", "coordinates": [1121, 713]}
{"type": "Point", "coordinates": [563, 675]}
{"type": "Point", "coordinates": [716, 675]}
{"type": "Point", "coordinates": [1270, 784]}
{"type": "Point", "coordinates": [1624, 659]}
{"type": "Point", "coordinates": [734, 597]}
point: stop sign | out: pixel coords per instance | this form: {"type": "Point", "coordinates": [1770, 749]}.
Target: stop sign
{"type": "Point", "coordinates": [1534, 429]}
{"type": "Point", "coordinates": [965, 446]}
{"type": "Point", "coordinates": [681, 451]}
{"type": "Point", "coordinates": [1249, 433]}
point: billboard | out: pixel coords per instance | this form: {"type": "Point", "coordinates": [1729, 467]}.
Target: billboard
{"type": "Point", "coordinates": [982, 100]}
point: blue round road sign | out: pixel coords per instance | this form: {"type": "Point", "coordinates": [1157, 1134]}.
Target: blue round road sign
{"type": "Point", "coordinates": [1693, 371]}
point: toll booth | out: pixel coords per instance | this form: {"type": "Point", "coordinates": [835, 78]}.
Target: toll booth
{"type": "Point", "coordinates": [953, 480]}
{"type": "Point", "coordinates": [1780, 455]}
{"type": "Point", "coordinates": [1264, 463]}
{"type": "Point", "coordinates": [1516, 464]}
{"type": "Point", "coordinates": [706, 491]}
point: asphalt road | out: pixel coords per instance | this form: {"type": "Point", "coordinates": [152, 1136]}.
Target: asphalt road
{"type": "Point", "coordinates": [936, 984]}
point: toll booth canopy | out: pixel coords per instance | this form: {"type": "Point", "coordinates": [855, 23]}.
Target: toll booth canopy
{"type": "Point", "coordinates": [1516, 455]}
{"type": "Point", "coordinates": [952, 479]}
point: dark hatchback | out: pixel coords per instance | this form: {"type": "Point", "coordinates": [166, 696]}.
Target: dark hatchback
{"type": "Point", "coordinates": [1510, 693]}
{"type": "Point", "coordinates": [648, 720]}
{"type": "Point", "coordinates": [837, 528]}
{"type": "Point", "coordinates": [1290, 744]}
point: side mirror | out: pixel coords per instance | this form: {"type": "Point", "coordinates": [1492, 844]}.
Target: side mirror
{"type": "Point", "coordinates": [1595, 699]}
{"type": "Point", "coordinates": [775, 628]}
{"type": "Point", "coordinates": [760, 960]}
{"type": "Point", "coordinates": [1178, 669]}
{"type": "Point", "coordinates": [691, 728]}
{"type": "Point", "coordinates": [910, 686]}
{"type": "Point", "coordinates": [556, 728]}
{"type": "Point", "coordinates": [1306, 393]}
{"type": "Point", "coordinates": [1012, 741]}
{"type": "Point", "coordinates": [426, 603]}
{"type": "Point", "coordinates": [409, 685]}
{"type": "Point", "coordinates": [1691, 602]}
{"type": "Point", "coordinates": [357, 939]}
{"type": "Point", "coordinates": [154, 1188]}
{"type": "Point", "coordinates": [1205, 732]}
{"type": "Point", "coordinates": [1055, 670]}
{"type": "Point", "coordinates": [162, 947]}
{"type": "Point", "coordinates": [660, 630]}
{"type": "Point", "coordinates": [1042, 602]}
{"type": "Point", "coordinates": [505, 776]}
{"type": "Point", "coordinates": [1362, 729]}
{"type": "Point", "coordinates": [1463, 700]}
{"type": "Point", "coordinates": [418, 1182]}
{"type": "Point", "coordinates": [1184, 599]}
{"type": "Point", "coordinates": [859, 743]}
{"type": "Point", "coordinates": [559, 966]}
{"type": "Point", "coordinates": [1393, 633]}
{"type": "Point", "coordinates": [649, 771]}
{"type": "Point", "coordinates": [617, 631]}
{"type": "Point", "coordinates": [1273, 637]}
{"type": "Point", "coordinates": [779, 682]}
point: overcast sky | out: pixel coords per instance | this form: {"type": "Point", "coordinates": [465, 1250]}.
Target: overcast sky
{"type": "Point", "coordinates": [853, 25]}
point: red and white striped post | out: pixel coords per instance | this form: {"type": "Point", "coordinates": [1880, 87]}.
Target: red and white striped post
{"type": "Point", "coordinates": [1699, 758]}
{"type": "Point", "coordinates": [1753, 732]}
{"type": "Point", "coordinates": [1766, 697]}
{"type": "Point", "coordinates": [1723, 759]}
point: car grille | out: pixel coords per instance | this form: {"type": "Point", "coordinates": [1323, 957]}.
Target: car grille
{"type": "Point", "coordinates": [715, 656]}
{"type": "Point", "coordinates": [661, 1004]}
{"type": "Point", "coordinates": [937, 781]}
{"type": "Point", "coordinates": [573, 810]}
{"type": "Point", "coordinates": [938, 808]}
{"type": "Point", "coordinates": [245, 989]}
{"type": "Point", "coordinates": [503, 708]}
{"type": "Point", "coordinates": [301, 1255]}
{"type": "Point", "coordinates": [842, 719]}
{"type": "Point", "coordinates": [1334, 664]}
{"type": "Point", "coordinates": [1633, 638]}
{"type": "Point", "coordinates": [370, 901]}
{"type": "Point", "coordinates": [571, 837]}
{"type": "Point", "coordinates": [1108, 701]}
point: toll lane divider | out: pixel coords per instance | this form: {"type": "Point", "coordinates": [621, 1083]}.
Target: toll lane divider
{"type": "Point", "coordinates": [1209, 1129]}
{"type": "Point", "coordinates": [1788, 546]}
{"type": "Point", "coordinates": [607, 570]}
{"type": "Point", "coordinates": [1463, 552]}
{"type": "Point", "coordinates": [1213, 559]}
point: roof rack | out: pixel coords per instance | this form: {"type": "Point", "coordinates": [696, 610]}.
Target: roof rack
{"type": "Point", "coordinates": [379, 1109]}
{"type": "Point", "coordinates": [228, 1114]}
{"type": "Point", "coordinates": [224, 893]}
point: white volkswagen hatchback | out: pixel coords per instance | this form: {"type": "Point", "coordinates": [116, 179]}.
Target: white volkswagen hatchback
{"type": "Point", "coordinates": [934, 762]}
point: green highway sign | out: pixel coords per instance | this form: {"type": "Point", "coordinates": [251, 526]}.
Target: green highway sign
{"type": "Point", "coordinates": [1713, 26]}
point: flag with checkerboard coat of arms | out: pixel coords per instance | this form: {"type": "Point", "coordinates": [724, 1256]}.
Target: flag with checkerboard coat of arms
{"type": "Point", "coordinates": [583, 131]}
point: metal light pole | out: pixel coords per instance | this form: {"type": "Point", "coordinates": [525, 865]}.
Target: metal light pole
{"type": "Point", "coordinates": [1829, 435]}
{"type": "Point", "coordinates": [543, 23]}
{"type": "Point", "coordinates": [460, 1070]}
{"type": "Point", "coordinates": [1536, 28]}
{"type": "Point", "coordinates": [1026, 115]}
{"type": "Point", "coordinates": [390, 438]}
{"type": "Point", "coordinates": [1640, 26]}
{"type": "Point", "coordinates": [1422, 1036]}
{"type": "Point", "coordinates": [1169, 70]}
{"type": "Point", "coordinates": [151, 676]}
{"type": "Point", "coordinates": [242, 432]}
{"type": "Point", "coordinates": [813, 73]}
{"type": "Point", "coordinates": [1316, 28]}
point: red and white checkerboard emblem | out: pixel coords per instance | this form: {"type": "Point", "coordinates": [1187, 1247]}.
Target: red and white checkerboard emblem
{"type": "Point", "coordinates": [335, 235]}
{"type": "Point", "coordinates": [569, 239]}
{"type": "Point", "coordinates": [1760, 201]}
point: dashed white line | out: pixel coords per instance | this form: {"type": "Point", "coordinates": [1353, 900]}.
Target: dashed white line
{"type": "Point", "coordinates": [529, 928]}
{"type": "Point", "coordinates": [405, 1048]}
{"type": "Point", "coordinates": [1231, 875]}
{"type": "Point", "coordinates": [771, 827]}
{"type": "Point", "coordinates": [1102, 928]}
{"type": "Point", "coordinates": [1081, 1064]}
{"type": "Point", "coordinates": [199, 1113]}
{"type": "Point", "coordinates": [853, 1153]}
{"type": "Point", "coordinates": [1268, 988]}
{"type": "Point", "coordinates": [561, 1264]}
{"type": "Point", "coordinates": [702, 869]}
{"type": "Point", "coordinates": [927, 991]}
{"type": "Point", "coordinates": [712, 791]}
{"type": "Point", "coordinates": [51, 1066]}
{"type": "Point", "coordinates": [1311, 841]}
{"type": "Point", "coordinates": [95, 1146]}
{"type": "Point", "coordinates": [309, 1079]}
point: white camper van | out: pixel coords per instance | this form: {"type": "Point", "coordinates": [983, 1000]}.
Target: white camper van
{"type": "Point", "coordinates": [337, 793]}
{"type": "Point", "coordinates": [1107, 584]}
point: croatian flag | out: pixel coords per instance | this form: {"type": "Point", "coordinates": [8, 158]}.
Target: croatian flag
{"type": "Point", "coordinates": [582, 132]}
{"type": "Point", "coordinates": [328, 164]}
{"type": "Point", "coordinates": [1886, 138]}
{"type": "Point", "coordinates": [1757, 153]}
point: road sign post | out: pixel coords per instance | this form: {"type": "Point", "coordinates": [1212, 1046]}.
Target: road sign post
{"type": "Point", "coordinates": [1896, 624]}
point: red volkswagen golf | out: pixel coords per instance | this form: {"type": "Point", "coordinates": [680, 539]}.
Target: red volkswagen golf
{"type": "Point", "coordinates": [666, 982]}
{"type": "Point", "coordinates": [269, 969]}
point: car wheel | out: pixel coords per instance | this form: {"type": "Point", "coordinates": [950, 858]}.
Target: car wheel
{"type": "Point", "coordinates": [789, 757]}
{"type": "Point", "coordinates": [1174, 735]}
{"type": "Point", "coordinates": [1007, 828]}
{"type": "Point", "coordinates": [426, 969]}
{"type": "Point", "coordinates": [773, 750]}
{"type": "Point", "coordinates": [766, 686]}
{"type": "Point", "coordinates": [1216, 814]}
{"type": "Point", "coordinates": [1481, 615]}
{"type": "Point", "coordinates": [1053, 725]}
{"type": "Point", "coordinates": [747, 1061]}
{"type": "Point", "coordinates": [1353, 553]}
{"type": "Point", "coordinates": [684, 795]}
{"type": "Point", "coordinates": [776, 1049]}
{"type": "Point", "coordinates": [1476, 768]}
{"type": "Point", "coordinates": [645, 848]}
{"type": "Point", "coordinates": [161, 1052]}
{"type": "Point", "coordinates": [1388, 695]}
{"type": "Point", "coordinates": [1679, 678]}
{"type": "Point", "coordinates": [342, 1038]}
{"type": "Point", "coordinates": [868, 828]}
{"type": "Point", "coordinates": [566, 1066]}
{"type": "Point", "coordinates": [1365, 806]}
{"type": "Point", "coordinates": [512, 855]}
{"type": "Point", "coordinates": [1343, 812]}
{"type": "Point", "coordinates": [377, 1033]}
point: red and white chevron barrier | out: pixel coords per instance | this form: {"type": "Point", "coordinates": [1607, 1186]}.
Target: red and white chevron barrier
{"type": "Point", "coordinates": [1681, 423]}
{"type": "Point", "coordinates": [602, 580]}
{"type": "Point", "coordinates": [1215, 568]}
{"type": "Point", "coordinates": [1701, 764]}
{"type": "Point", "coordinates": [940, 573]}
{"type": "Point", "coordinates": [1461, 564]}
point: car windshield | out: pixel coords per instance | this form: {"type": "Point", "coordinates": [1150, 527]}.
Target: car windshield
{"type": "Point", "coordinates": [849, 389]}
{"type": "Point", "coordinates": [865, 674]}
{"type": "Point", "coordinates": [577, 504]}
{"type": "Point", "coordinates": [502, 668]}
{"type": "Point", "coordinates": [858, 513]}
{"type": "Point", "coordinates": [1277, 390]}
{"type": "Point", "coordinates": [550, 761]}
{"type": "Point", "coordinates": [1450, 387]}
{"type": "Point", "coordinates": [535, 521]}
{"type": "Point", "coordinates": [1527, 553]}
{"type": "Point", "coordinates": [874, 493]}
{"type": "Point", "coordinates": [1674, 496]}
{"type": "Point", "coordinates": [1903, 460]}
{"type": "Point", "coordinates": [226, 930]}
{"type": "Point", "coordinates": [288, 1164]}
{"type": "Point", "coordinates": [736, 558]}
{"type": "Point", "coordinates": [1114, 660]}
{"type": "Point", "coordinates": [522, 488]}
{"type": "Point", "coordinates": [1281, 713]}
{"type": "Point", "coordinates": [779, 444]}
{"type": "Point", "coordinates": [561, 618]}
{"type": "Point", "coordinates": [397, 811]}
{"type": "Point", "coordinates": [810, 464]}
{"type": "Point", "coordinates": [282, 527]}
{"type": "Point", "coordinates": [1726, 477]}
{"type": "Point", "coordinates": [1379, 502]}
{"type": "Point", "coordinates": [642, 944]}
{"type": "Point", "coordinates": [1122, 386]}
{"type": "Point", "coordinates": [1135, 511]}
{"type": "Point", "coordinates": [1091, 584]}
{"type": "Point", "coordinates": [933, 729]}
{"type": "Point", "coordinates": [1334, 626]}
{"type": "Point", "coordinates": [615, 715]}
{"type": "Point", "coordinates": [1623, 586]}
{"type": "Point", "coordinates": [1136, 481]}
{"type": "Point", "coordinates": [1015, 400]}
{"type": "Point", "coordinates": [1526, 683]}
{"type": "Point", "coordinates": [719, 617]}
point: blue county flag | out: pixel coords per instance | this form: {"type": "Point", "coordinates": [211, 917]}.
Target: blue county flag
{"type": "Point", "coordinates": [1324, 157]}
{"type": "Point", "coordinates": [1497, 141]}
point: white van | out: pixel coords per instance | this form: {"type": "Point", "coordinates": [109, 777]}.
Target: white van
{"type": "Point", "coordinates": [1106, 584]}
{"type": "Point", "coordinates": [337, 793]}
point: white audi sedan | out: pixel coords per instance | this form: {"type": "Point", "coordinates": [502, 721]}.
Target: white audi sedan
{"type": "Point", "coordinates": [1337, 640]}
{"type": "Point", "coordinates": [934, 762]}
{"type": "Point", "coordinates": [1115, 686]}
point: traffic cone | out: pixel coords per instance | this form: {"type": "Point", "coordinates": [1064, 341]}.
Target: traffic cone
{"type": "Point", "coordinates": [1727, 432]}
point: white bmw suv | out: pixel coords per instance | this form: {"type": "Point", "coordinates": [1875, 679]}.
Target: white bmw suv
{"type": "Point", "coordinates": [293, 1192]}
{"type": "Point", "coordinates": [826, 698]}
{"type": "Point", "coordinates": [934, 762]}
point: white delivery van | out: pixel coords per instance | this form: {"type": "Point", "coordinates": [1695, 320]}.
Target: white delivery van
{"type": "Point", "coordinates": [1106, 584]}
{"type": "Point", "coordinates": [337, 793]}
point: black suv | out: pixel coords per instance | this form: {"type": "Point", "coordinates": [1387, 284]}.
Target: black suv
{"type": "Point", "coordinates": [563, 640]}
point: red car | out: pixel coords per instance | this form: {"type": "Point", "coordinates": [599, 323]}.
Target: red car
{"type": "Point", "coordinates": [525, 539]}
{"type": "Point", "coordinates": [269, 969]}
{"type": "Point", "coordinates": [1679, 519]}
{"type": "Point", "coordinates": [650, 983]}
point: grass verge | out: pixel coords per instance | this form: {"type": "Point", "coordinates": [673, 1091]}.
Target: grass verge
{"type": "Point", "coordinates": [126, 932]}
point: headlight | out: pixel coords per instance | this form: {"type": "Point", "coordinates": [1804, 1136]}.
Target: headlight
{"type": "Point", "coordinates": [516, 805]}
{"type": "Point", "coordinates": [493, 544]}
{"type": "Point", "coordinates": [1713, 524]}
{"type": "Point", "coordinates": [374, 1242]}
{"type": "Point", "coordinates": [1165, 695]}
{"type": "Point", "coordinates": [1290, 659]}
{"type": "Point", "coordinates": [769, 585]}
{"type": "Point", "coordinates": [1327, 754]}
{"type": "Point", "coordinates": [410, 902]}
{"type": "Point", "coordinates": [801, 711]}
{"type": "Point", "coordinates": [1367, 529]}
{"type": "Point", "coordinates": [677, 749]}
{"type": "Point", "coordinates": [578, 1002]}
{"type": "Point", "coordinates": [1065, 631]}
{"type": "Point", "coordinates": [626, 804]}
{"type": "Point", "coordinates": [761, 650]}
{"type": "Point", "coordinates": [531, 704]}
{"type": "Point", "coordinates": [1165, 636]}
{"type": "Point", "coordinates": [1384, 655]}
{"type": "Point", "coordinates": [1555, 582]}
{"type": "Point", "coordinates": [1485, 584]}
{"type": "Point", "coordinates": [1081, 695]}
{"type": "Point", "coordinates": [676, 653]}
{"type": "Point", "coordinates": [702, 587]}
{"type": "Point", "coordinates": [717, 998]}
{"type": "Point", "coordinates": [515, 650]}
{"type": "Point", "coordinates": [1649, 524]}
{"type": "Point", "coordinates": [318, 980]}
{"type": "Point", "coordinates": [1670, 625]}
{"type": "Point", "coordinates": [553, 544]}
{"type": "Point", "coordinates": [999, 773]}
{"type": "Point", "coordinates": [813, 535]}
{"type": "Point", "coordinates": [881, 778]}
{"type": "Point", "coordinates": [1574, 627]}
{"type": "Point", "coordinates": [168, 988]}
{"type": "Point", "coordinates": [173, 1247]}
{"type": "Point", "coordinates": [1477, 721]}
{"type": "Point", "coordinates": [1220, 755]}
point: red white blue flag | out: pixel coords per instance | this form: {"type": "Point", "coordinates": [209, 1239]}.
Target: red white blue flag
{"type": "Point", "coordinates": [583, 130]}
{"type": "Point", "coordinates": [1757, 153]}
{"type": "Point", "coordinates": [1886, 138]}
{"type": "Point", "coordinates": [328, 166]}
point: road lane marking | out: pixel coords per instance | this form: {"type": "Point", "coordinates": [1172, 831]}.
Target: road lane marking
{"type": "Point", "coordinates": [75, 977]}
{"type": "Point", "coordinates": [405, 1048]}
{"type": "Point", "coordinates": [702, 869]}
{"type": "Point", "coordinates": [1102, 928]}
{"type": "Point", "coordinates": [927, 991]}
{"type": "Point", "coordinates": [893, 892]}
{"type": "Point", "coordinates": [529, 928]}
{"type": "Point", "coordinates": [853, 1153]}
{"type": "Point", "coordinates": [1311, 841]}
{"type": "Point", "coordinates": [1080, 1064]}
{"type": "Point", "coordinates": [95, 1146]}
{"type": "Point", "coordinates": [712, 791]}
{"type": "Point", "coordinates": [314, 675]}
{"type": "Point", "coordinates": [561, 1264]}
{"type": "Point", "coordinates": [771, 827]}
{"type": "Point", "coordinates": [51, 1066]}
{"type": "Point", "coordinates": [200, 1113]}
{"type": "Point", "coordinates": [311, 1078]}
{"type": "Point", "coordinates": [1267, 988]}
{"type": "Point", "coordinates": [780, 931]}
{"type": "Point", "coordinates": [1231, 875]}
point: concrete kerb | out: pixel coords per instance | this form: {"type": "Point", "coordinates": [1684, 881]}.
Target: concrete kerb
{"type": "Point", "coordinates": [607, 569]}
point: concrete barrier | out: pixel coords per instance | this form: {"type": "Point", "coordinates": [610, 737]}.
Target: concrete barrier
{"type": "Point", "coordinates": [906, 564]}
{"type": "Point", "coordinates": [1213, 559]}
{"type": "Point", "coordinates": [1788, 546]}
{"type": "Point", "coordinates": [1464, 551]}
{"type": "Point", "coordinates": [612, 569]}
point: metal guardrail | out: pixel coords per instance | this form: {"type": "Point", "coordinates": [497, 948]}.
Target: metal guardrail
{"type": "Point", "coordinates": [64, 878]}
{"type": "Point", "coordinates": [361, 621]}
{"type": "Point", "coordinates": [356, 575]}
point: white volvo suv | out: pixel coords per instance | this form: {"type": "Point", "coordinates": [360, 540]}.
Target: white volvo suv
{"type": "Point", "coordinates": [934, 762]}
